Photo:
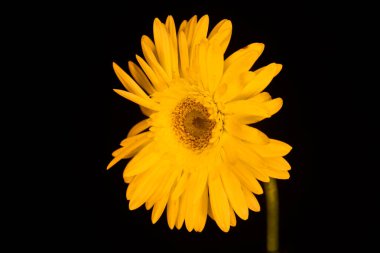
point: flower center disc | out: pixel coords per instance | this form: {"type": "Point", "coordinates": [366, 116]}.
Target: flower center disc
{"type": "Point", "coordinates": [192, 125]}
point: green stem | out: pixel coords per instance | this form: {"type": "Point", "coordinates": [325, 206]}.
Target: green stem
{"type": "Point", "coordinates": [271, 195]}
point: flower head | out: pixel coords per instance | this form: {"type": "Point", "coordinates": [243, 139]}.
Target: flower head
{"type": "Point", "coordinates": [195, 153]}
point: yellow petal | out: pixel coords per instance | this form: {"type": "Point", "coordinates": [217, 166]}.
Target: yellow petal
{"type": "Point", "coordinates": [163, 47]}
{"type": "Point", "coordinates": [273, 106]}
{"type": "Point", "coordinates": [166, 183]}
{"type": "Point", "coordinates": [260, 174]}
{"type": "Point", "coordinates": [132, 144]}
{"type": "Point", "coordinates": [261, 97]}
{"type": "Point", "coordinates": [234, 193]}
{"type": "Point", "coordinates": [158, 83]}
{"type": "Point", "coordinates": [243, 59]}
{"type": "Point", "coordinates": [140, 77]}
{"type": "Point", "coordinates": [182, 26]}
{"type": "Point", "coordinates": [261, 80]}
{"type": "Point", "coordinates": [139, 127]}
{"type": "Point", "coordinates": [146, 184]}
{"type": "Point", "coordinates": [158, 209]}
{"type": "Point", "coordinates": [221, 34]}
{"type": "Point", "coordinates": [211, 65]}
{"type": "Point", "coordinates": [202, 209]}
{"type": "Point", "coordinates": [181, 213]}
{"type": "Point", "coordinates": [128, 179]}
{"type": "Point", "coordinates": [183, 54]}
{"type": "Point", "coordinates": [180, 186]}
{"type": "Point", "coordinates": [144, 160]}
{"type": "Point", "coordinates": [190, 29]}
{"type": "Point", "coordinates": [252, 202]}
{"type": "Point", "coordinates": [232, 218]}
{"type": "Point", "coordinates": [273, 148]}
{"type": "Point", "coordinates": [247, 119]}
{"type": "Point", "coordinates": [146, 102]}
{"type": "Point", "coordinates": [277, 163]}
{"type": "Point", "coordinates": [172, 212]}
{"type": "Point", "coordinates": [199, 181]}
{"type": "Point", "coordinates": [247, 107]}
{"type": "Point", "coordinates": [278, 174]}
{"type": "Point", "coordinates": [250, 158]}
{"type": "Point", "coordinates": [146, 111]}
{"type": "Point", "coordinates": [170, 26]}
{"type": "Point", "coordinates": [128, 82]}
{"type": "Point", "coordinates": [231, 91]}
{"type": "Point", "coordinates": [219, 202]}
{"type": "Point", "coordinates": [244, 132]}
{"type": "Point", "coordinates": [191, 208]}
{"type": "Point", "coordinates": [200, 33]}
{"type": "Point", "coordinates": [247, 178]}
{"type": "Point", "coordinates": [152, 60]}
{"type": "Point", "coordinates": [161, 176]}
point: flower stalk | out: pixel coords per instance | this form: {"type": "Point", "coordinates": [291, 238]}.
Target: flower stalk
{"type": "Point", "coordinates": [272, 206]}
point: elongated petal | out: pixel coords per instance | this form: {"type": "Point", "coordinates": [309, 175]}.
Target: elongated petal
{"type": "Point", "coordinates": [180, 186]}
{"type": "Point", "coordinates": [153, 61]}
{"type": "Point", "coordinates": [200, 34]}
{"type": "Point", "coordinates": [167, 183]}
{"type": "Point", "coordinates": [130, 140]}
{"type": "Point", "coordinates": [234, 193]}
{"type": "Point", "coordinates": [164, 52]}
{"type": "Point", "coordinates": [128, 82]}
{"type": "Point", "coordinates": [277, 163]}
{"type": "Point", "coordinates": [172, 212]}
{"type": "Point", "coordinates": [273, 106]}
{"type": "Point", "coordinates": [191, 208]}
{"type": "Point", "coordinates": [199, 181]}
{"type": "Point", "coordinates": [273, 148]}
{"type": "Point", "coordinates": [219, 202]}
{"type": "Point", "coordinates": [158, 83]}
{"type": "Point", "coordinates": [139, 127]}
{"type": "Point", "coordinates": [158, 209]}
{"type": "Point", "coordinates": [211, 65]}
{"type": "Point", "coordinates": [201, 215]}
{"type": "Point", "coordinates": [261, 80]}
{"type": "Point", "coordinates": [232, 218]}
{"type": "Point", "coordinates": [183, 54]}
{"type": "Point", "coordinates": [252, 202]}
{"type": "Point", "coordinates": [146, 158]}
{"type": "Point", "coordinates": [245, 133]}
{"type": "Point", "coordinates": [146, 102]}
{"type": "Point", "coordinates": [170, 26]}
{"type": "Point", "coordinates": [190, 29]}
{"type": "Point", "coordinates": [181, 212]}
{"type": "Point", "coordinates": [241, 61]}
{"type": "Point", "coordinates": [134, 144]}
{"type": "Point", "coordinates": [140, 77]}
{"type": "Point", "coordinates": [145, 187]}
{"type": "Point", "coordinates": [278, 174]}
{"type": "Point", "coordinates": [221, 34]}
{"type": "Point", "coordinates": [247, 107]}
{"type": "Point", "coordinates": [247, 178]}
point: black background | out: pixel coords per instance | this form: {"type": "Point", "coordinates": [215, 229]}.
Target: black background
{"type": "Point", "coordinates": [83, 206]}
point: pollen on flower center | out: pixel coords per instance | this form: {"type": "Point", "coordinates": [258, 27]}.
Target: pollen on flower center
{"type": "Point", "coordinates": [192, 124]}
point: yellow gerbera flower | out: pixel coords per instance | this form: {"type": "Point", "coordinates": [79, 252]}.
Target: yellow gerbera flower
{"type": "Point", "coordinates": [195, 154]}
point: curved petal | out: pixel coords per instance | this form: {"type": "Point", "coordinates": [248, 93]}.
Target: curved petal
{"type": "Point", "coordinates": [261, 80]}
{"type": "Point", "coordinates": [163, 46]}
{"type": "Point", "coordinates": [146, 102]}
{"type": "Point", "coordinates": [245, 133]}
{"type": "Point", "coordinates": [234, 193]}
{"type": "Point", "coordinates": [219, 202]}
{"type": "Point", "coordinates": [128, 82]}
{"type": "Point", "coordinates": [140, 77]}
